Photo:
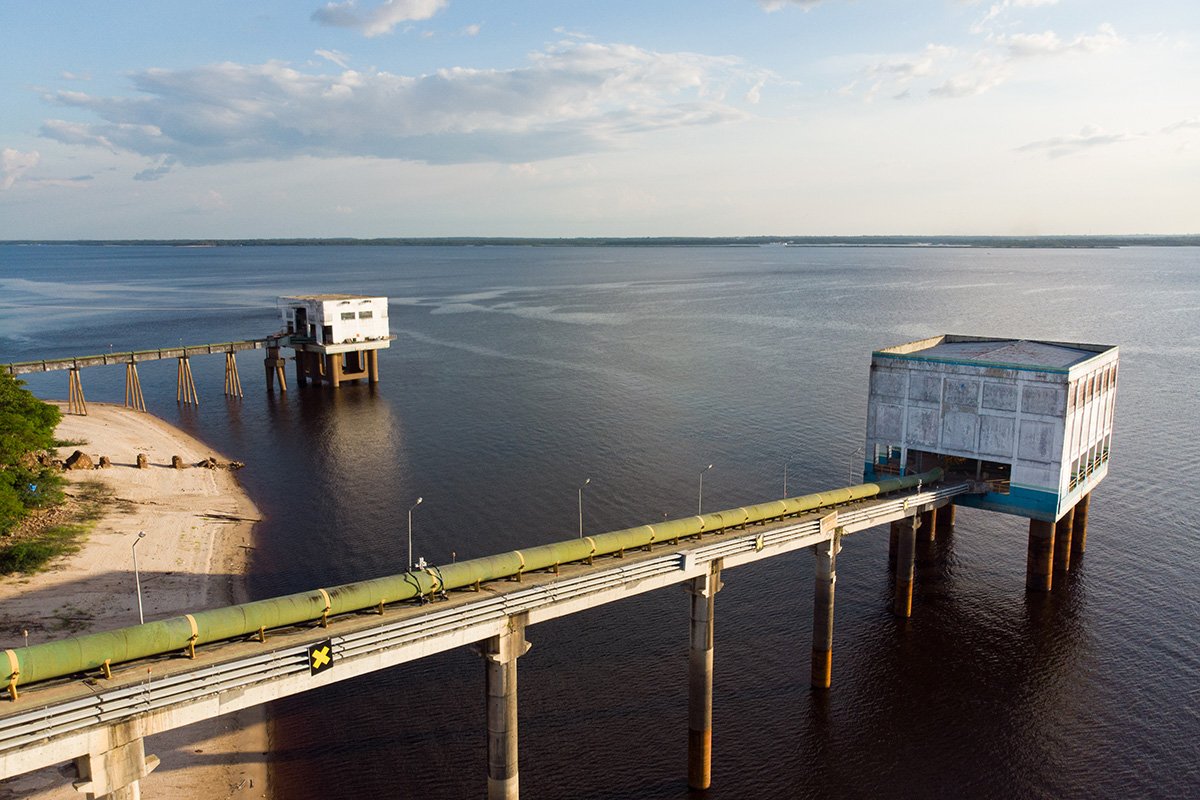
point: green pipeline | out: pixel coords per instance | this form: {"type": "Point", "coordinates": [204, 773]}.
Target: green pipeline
{"type": "Point", "coordinates": [77, 654]}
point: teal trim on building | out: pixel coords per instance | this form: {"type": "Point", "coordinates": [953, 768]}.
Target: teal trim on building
{"type": "Point", "coordinates": [973, 363]}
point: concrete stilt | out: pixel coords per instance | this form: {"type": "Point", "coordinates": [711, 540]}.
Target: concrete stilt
{"type": "Point", "coordinates": [501, 653]}
{"type": "Point", "coordinates": [1062, 543]}
{"type": "Point", "coordinates": [906, 549]}
{"type": "Point", "coordinates": [928, 529]}
{"type": "Point", "coordinates": [274, 365]}
{"type": "Point", "coordinates": [1079, 525]}
{"type": "Point", "coordinates": [823, 586]}
{"type": "Point", "coordinates": [76, 404]}
{"type": "Point", "coordinates": [700, 677]}
{"type": "Point", "coordinates": [893, 543]}
{"type": "Point", "coordinates": [1039, 573]}
{"type": "Point", "coordinates": [116, 771]}
{"type": "Point", "coordinates": [373, 366]}
{"type": "Point", "coordinates": [133, 388]}
{"type": "Point", "coordinates": [945, 519]}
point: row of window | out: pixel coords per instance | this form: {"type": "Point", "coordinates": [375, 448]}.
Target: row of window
{"type": "Point", "coordinates": [1089, 462]}
{"type": "Point", "coordinates": [1091, 386]}
{"type": "Point", "coordinates": [361, 315]}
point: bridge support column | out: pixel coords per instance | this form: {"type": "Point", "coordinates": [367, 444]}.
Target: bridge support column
{"type": "Point", "coordinates": [1039, 574]}
{"type": "Point", "coordinates": [185, 385]}
{"type": "Point", "coordinates": [945, 519]}
{"type": "Point", "coordinates": [893, 543]}
{"type": "Point", "coordinates": [906, 550]}
{"type": "Point", "coordinates": [501, 653]}
{"type": "Point", "coordinates": [116, 767]}
{"type": "Point", "coordinates": [133, 388]}
{"type": "Point", "coordinates": [1079, 536]}
{"type": "Point", "coordinates": [233, 382]}
{"type": "Point", "coordinates": [700, 676]}
{"type": "Point", "coordinates": [75, 402]}
{"type": "Point", "coordinates": [929, 526]}
{"type": "Point", "coordinates": [823, 585]}
{"type": "Point", "coordinates": [274, 365]}
{"type": "Point", "coordinates": [1062, 543]}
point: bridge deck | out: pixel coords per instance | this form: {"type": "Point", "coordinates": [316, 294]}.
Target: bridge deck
{"type": "Point", "coordinates": [134, 356]}
{"type": "Point", "coordinates": [52, 721]}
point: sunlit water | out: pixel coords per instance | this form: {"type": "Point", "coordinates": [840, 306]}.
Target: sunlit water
{"type": "Point", "coordinates": [519, 372]}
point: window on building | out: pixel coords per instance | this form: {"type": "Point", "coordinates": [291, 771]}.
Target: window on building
{"type": "Point", "coordinates": [365, 314]}
{"type": "Point", "coordinates": [347, 315]}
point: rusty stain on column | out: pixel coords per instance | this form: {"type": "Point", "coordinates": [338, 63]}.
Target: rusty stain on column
{"type": "Point", "coordinates": [1079, 534]}
{"type": "Point", "coordinates": [700, 676]}
{"type": "Point", "coordinates": [823, 586]}
{"type": "Point", "coordinates": [1062, 542]}
{"type": "Point", "coordinates": [1039, 575]}
{"type": "Point", "coordinates": [906, 547]}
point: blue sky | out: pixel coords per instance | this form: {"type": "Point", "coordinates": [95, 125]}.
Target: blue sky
{"type": "Point", "coordinates": [742, 117]}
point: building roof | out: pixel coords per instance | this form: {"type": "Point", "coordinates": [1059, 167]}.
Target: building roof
{"type": "Point", "coordinates": [331, 297]}
{"type": "Point", "coordinates": [1018, 353]}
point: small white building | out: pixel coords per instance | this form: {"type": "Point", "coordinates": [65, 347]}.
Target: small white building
{"type": "Point", "coordinates": [336, 336]}
{"type": "Point", "coordinates": [335, 319]}
{"type": "Point", "coordinates": [1033, 417]}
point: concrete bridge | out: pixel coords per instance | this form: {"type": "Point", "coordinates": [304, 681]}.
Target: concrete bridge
{"type": "Point", "coordinates": [102, 725]}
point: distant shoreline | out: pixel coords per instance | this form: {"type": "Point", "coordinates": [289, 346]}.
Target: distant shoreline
{"type": "Point", "coordinates": [979, 242]}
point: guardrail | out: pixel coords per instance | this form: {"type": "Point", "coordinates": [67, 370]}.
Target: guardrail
{"type": "Point", "coordinates": [435, 629]}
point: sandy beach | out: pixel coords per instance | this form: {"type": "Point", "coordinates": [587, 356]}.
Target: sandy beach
{"type": "Point", "coordinates": [197, 524]}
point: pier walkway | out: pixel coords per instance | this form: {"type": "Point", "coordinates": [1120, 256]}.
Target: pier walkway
{"type": "Point", "coordinates": [101, 723]}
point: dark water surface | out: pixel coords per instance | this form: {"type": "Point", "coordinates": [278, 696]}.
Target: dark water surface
{"type": "Point", "coordinates": [519, 372]}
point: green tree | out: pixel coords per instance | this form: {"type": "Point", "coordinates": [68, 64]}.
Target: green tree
{"type": "Point", "coordinates": [26, 425]}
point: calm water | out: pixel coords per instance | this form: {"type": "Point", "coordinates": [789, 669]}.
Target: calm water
{"type": "Point", "coordinates": [518, 372]}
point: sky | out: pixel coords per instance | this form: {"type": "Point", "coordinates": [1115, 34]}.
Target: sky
{"type": "Point", "coordinates": [374, 118]}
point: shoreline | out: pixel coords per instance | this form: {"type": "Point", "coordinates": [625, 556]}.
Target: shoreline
{"type": "Point", "coordinates": [198, 526]}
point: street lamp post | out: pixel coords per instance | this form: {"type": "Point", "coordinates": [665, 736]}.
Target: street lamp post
{"type": "Point", "coordinates": [137, 578]}
{"type": "Point", "coordinates": [700, 499]}
{"type": "Point", "coordinates": [410, 510]}
{"type": "Point", "coordinates": [585, 483]}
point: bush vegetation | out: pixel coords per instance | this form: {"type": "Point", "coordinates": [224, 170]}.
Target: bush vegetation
{"type": "Point", "coordinates": [26, 427]}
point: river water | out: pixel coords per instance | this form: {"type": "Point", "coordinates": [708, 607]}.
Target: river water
{"type": "Point", "coordinates": [518, 372]}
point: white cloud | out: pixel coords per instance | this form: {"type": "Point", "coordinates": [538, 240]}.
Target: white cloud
{"type": "Point", "coordinates": [1088, 138]}
{"type": "Point", "coordinates": [776, 5]}
{"type": "Point", "coordinates": [378, 20]}
{"type": "Point", "coordinates": [472, 30]}
{"type": "Point", "coordinates": [1185, 124]}
{"type": "Point", "coordinates": [571, 98]}
{"type": "Point", "coordinates": [333, 56]}
{"type": "Point", "coordinates": [1048, 43]}
{"type": "Point", "coordinates": [999, 10]}
{"type": "Point", "coordinates": [13, 163]}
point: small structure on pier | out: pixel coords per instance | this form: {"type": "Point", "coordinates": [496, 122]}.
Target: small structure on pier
{"type": "Point", "coordinates": [1032, 418]}
{"type": "Point", "coordinates": [336, 337]}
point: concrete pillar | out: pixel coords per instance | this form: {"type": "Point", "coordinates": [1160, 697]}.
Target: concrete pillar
{"type": "Point", "coordinates": [893, 543]}
{"type": "Point", "coordinates": [823, 585]}
{"type": "Point", "coordinates": [700, 676]}
{"type": "Point", "coordinates": [1062, 543]}
{"type": "Point", "coordinates": [1079, 525]}
{"type": "Point", "coordinates": [117, 766]}
{"type": "Point", "coordinates": [1039, 574]}
{"type": "Point", "coordinates": [906, 549]}
{"type": "Point", "coordinates": [945, 519]}
{"type": "Point", "coordinates": [373, 366]}
{"type": "Point", "coordinates": [928, 530]}
{"type": "Point", "coordinates": [501, 653]}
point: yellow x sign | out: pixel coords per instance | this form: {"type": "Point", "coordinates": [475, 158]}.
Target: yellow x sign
{"type": "Point", "coordinates": [320, 657]}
